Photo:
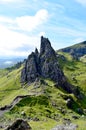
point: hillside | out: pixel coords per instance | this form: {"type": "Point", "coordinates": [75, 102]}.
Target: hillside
{"type": "Point", "coordinates": [44, 104]}
{"type": "Point", "coordinates": [77, 51]}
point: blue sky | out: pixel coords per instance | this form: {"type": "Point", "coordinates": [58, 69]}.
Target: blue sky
{"type": "Point", "coordinates": [22, 22]}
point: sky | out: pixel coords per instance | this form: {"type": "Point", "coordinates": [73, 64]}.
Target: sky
{"type": "Point", "coordinates": [23, 22]}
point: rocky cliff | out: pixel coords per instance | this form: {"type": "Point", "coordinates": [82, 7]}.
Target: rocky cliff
{"type": "Point", "coordinates": [44, 64]}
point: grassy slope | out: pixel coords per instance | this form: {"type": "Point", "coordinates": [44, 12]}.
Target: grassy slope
{"type": "Point", "coordinates": [75, 71]}
{"type": "Point", "coordinates": [48, 105]}
{"type": "Point", "coordinates": [10, 86]}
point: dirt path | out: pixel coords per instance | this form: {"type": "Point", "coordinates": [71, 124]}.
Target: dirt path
{"type": "Point", "coordinates": [14, 102]}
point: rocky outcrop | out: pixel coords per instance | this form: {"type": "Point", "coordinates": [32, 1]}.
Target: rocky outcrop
{"type": "Point", "coordinates": [44, 64]}
{"type": "Point", "coordinates": [66, 127]}
{"type": "Point", "coordinates": [49, 63]}
{"type": "Point", "coordinates": [30, 71]}
{"type": "Point", "coordinates": [19, 125]}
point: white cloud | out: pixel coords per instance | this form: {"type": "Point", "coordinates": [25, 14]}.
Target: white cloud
{"type": "Point", "coordinates": [7, 0]}
{"type": "Point", "coordinates": [35, 0]}
{"type": "Point", "coordinates": [28, 23]}
{"type": "Point", "coordinates": [8, 62]}
{"type": "Point", "coordinates": [13, 38]}
{"type": "Point", "coordinates": [77, 40]}
{"type": "Point", "coordinates": [42, 34]}
{"type": "Point", "coordinates": [65, 31]}
{"type": "Point", "coordinates": [10, 1]}
{"type": "Point", "coordinates": [11, 41]}
{"type": "Point", "coordinates": [83, 2]}
{"type": "Point", "coordinates": [5, 19]}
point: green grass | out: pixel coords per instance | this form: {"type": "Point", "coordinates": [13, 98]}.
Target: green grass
{"type": "Point", "coordinates": [81, 124]}
{"type": "Point", "coordinates": [10, 86]}
{"type": "Point", "coordinates": [75, 71]}
{"type": "Point", "coordinates": [50, 108]}
{"type": "Point", "coordinates": [46, 124]}
{"type": "Point", "coordinates": [47, 102]}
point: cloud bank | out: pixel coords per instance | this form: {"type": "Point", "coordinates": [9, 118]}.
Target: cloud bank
{"type": "Point", "coordinates": [82, 2]}
{"type": "Point", "coordinates": [14, 33]}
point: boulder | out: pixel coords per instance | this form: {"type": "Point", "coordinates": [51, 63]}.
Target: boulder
{"type": "Point", "coordinates": [19, 125]}
{"type": "Point", "coordinates": [75, 117]}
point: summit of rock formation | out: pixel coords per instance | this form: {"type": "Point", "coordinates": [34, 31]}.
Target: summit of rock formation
{"type": "Point", "coordinates": [48, 62]}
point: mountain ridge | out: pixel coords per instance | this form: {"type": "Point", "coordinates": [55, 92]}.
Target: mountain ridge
{"type": "Point", "coordinates": [76, 51]}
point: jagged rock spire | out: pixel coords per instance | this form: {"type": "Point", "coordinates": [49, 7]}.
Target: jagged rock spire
{"type": "Point", "coordinates": [45, 46]}
{"type": "Point", "coordinates": [36, 51]}
{"type": "Point", "coordinates": [44, 64]}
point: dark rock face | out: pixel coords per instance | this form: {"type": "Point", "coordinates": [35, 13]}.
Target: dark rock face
{"type": "Point", "coordinates": [48, 62]}
{"type": "Point", "coordinates": [30, 71]}
{"type": "Point", "coordinates": [44, 64]}
{"type": "Point", "coordinates": [19, 125]}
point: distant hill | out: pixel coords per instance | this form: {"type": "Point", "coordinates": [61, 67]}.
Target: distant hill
{"type": "Point", "coordinates": [76, 51]}
{"type": "Point", "coordinates": [9, 62]}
